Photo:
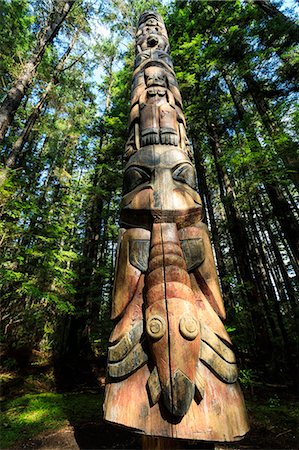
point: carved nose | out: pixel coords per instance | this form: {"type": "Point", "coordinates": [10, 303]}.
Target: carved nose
{"type": "Point", "coordinates": [163, 190]}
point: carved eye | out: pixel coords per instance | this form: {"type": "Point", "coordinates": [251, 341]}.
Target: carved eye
{"type": "Point", "coordinates": [135, 176]}
{"type": "Point", "coordinates": [185, 174]}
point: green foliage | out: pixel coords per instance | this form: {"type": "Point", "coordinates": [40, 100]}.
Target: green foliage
{"type": "Point", "coordinates": [15, 37]}
{"type": "Point", "coordinates": [29, 415]}
{"type": "Point", "coordinates": [60, 202]}
{"type": "Point", "coordinates": [246, 378]}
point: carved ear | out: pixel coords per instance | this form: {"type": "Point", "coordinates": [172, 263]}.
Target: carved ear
{"type": "Point", "coordinates": [194, 252]}
{"type": "Point", "coordinates": [205, 273]}
{"type": "Point", "coordinates": [139, 253]}
{"type": "Point", "coordinates": [126, 275]}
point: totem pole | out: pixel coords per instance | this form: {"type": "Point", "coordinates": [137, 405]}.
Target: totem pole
{"type": "Point", "coordinates": [171, 366]}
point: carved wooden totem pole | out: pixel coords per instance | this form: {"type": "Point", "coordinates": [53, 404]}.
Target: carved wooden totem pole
{"type": "Point", "coordinates": [171, 367]}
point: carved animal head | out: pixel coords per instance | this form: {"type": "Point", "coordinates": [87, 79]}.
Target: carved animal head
{"type": "Point", "coordinates": [160, 181]}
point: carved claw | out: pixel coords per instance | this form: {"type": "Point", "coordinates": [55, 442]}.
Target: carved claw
{"type": "Point", "coordinates": [169, 139]}
{"type": "Point", "coordinates": [150, 138]}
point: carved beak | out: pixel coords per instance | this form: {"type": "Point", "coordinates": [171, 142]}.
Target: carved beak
{"type": "Point", "coordinates": [178, 394]}
{"type": "Point", "coordinates": [168, 195]}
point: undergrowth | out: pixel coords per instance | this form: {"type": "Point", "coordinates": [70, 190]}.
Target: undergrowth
{"type": "Point", "coordinates": [31, 414]}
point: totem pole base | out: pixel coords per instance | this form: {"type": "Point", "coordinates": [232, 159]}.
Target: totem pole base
{"type": "Point", "coordinates": [160, 443]}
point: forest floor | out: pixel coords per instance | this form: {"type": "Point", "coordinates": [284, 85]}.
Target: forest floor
{"type": "Point", "coordinates": [36, 416]}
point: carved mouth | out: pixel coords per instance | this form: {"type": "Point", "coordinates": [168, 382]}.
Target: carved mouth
{"type": "Point", "coordinates": [155, 82]}
{"type": "Point", "coordinates": [152, 41]}
{"type": "Point", "coordinates": [147, 217]}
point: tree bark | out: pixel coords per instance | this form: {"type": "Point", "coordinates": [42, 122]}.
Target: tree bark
{"type": "Point", "coordinates": [289, 224]}
{"type": "Point", "coordinates": [288, 153]}
{"type": "Point", "coordinates": [262, 266]}
{"type": "Point", "coordinates": [281, 207]}
{"type": "Point", "coordinates": [208, 208]}
{"type": "Point", "coordinates": [14, 97]}
{"type": "Point", "coordinates": [238, 234]}
{"type": "Point", "coordinates": [21, 141]}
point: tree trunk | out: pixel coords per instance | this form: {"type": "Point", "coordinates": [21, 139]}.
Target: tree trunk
{"type": "Point", "coordinates": [262, 266]}
{"type": "Point", "coordinates": [208, 208]}
{"type": "Point", "coordinates": [74, 350]}
{"type": "Point", "coordinates": [289, 224]}
{"type": "Point", "coordinates": [290, 26]}
{"type": "Point", "coordinates": [289, 154]}
{"type": "Point", "coordinates": [281, 207]}
{"type": "Point", "coordinates": [14, 97]}
{"type": "Point", "coordinates": [20, 142]}
{"type": "Point", "coordinates": [278, 257]}
{"type": "Point", "coordinates": [238, 234]}
{"type": "Point", "coordinates": [22, 139]}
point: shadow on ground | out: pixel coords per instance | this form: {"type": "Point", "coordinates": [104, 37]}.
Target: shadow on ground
{"type": "Point", "coordinates": [104, 436]}
{"type": "Point", "coordinates": [66, 413]}
{"type": "Point", "coordinates": [97, 434]}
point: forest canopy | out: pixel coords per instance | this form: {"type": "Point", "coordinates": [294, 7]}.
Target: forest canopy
{"type": "Point", "coordinates": [65, 79]}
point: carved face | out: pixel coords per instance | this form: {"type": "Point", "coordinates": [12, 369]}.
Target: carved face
{"type": "Point", "coordinates": [155, 76]}
{"type": "Point", "coordinates": [152, 34]}
{"type": "Point", "coordinates": [150, 17]}
{"type": "Point", "coordinates": [152, 41]}
{"type": "Point", "coordinates": [151, 27]}
{"type": "Point", "coordinates": [156, 178]}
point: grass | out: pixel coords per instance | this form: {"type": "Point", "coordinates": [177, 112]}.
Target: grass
{"type": "Point", "coordinates": [33, 407]}
{"type": "Point", "coordinates": [274, 413]}
{"type": "Point", "coordinates": [29, 415]}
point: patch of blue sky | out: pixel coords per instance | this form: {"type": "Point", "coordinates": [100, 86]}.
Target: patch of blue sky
{"type": "Point", "coordinates": [101, 31]}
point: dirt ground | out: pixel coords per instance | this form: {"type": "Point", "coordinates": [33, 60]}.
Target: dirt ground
{"type": "Point", "coordinates": [99, 435]}
{"type": "Point", "coordinates": [267, 433]}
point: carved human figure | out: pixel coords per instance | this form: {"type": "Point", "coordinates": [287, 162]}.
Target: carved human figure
{"type": "Point", "coordinates": [156, 114]}
{"type": "Point", "coordinates": [152, 40]}
{"type": "Point", "coordinates": [158, 117]}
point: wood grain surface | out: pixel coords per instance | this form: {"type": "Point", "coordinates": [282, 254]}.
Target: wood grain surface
{"type": "Point", "coordinates": [172, 370]}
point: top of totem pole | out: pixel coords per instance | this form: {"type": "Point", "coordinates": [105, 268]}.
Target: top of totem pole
{"type": "Point", "coordinates": [156, 116]}
{"type": "Point", "coordinates": [151, 31]}
{"type": "Point", "coordinates": [150, 14]}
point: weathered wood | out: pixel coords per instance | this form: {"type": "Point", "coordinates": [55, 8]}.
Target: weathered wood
{"type": "Point", "coordinates": [171, 367]}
